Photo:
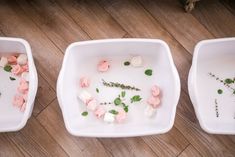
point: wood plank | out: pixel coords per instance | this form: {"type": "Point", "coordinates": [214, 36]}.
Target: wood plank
{"type": "Point", "coordinates": [37, 133]}
{"type": "Point", "coordinates": [207, 144]}
{"type": "Point", "coordinates": [185, 108]}
{"type": "Point", "coordinates": [230, 5]}
{"type": "Point", "coordinates": [44, 25]}
{"type": "Point", "coordinates": [169, 144]}
{"type": "Point", "coordinates": [120, 147]}
{"type": "Point", "coordinates": [48, 57]}
{"type": "Point", "coordinates": [8, 148]}
{"type": "Point", "coordinates": [1, 33]}
{"type": "Point", "coordinates": [51, 119]}
{"type": "Point", "coordinates": [190, 151]}
{"type": "Point", "coordinates": [54, 22]}
{"type": "Point", "coordinates": [34, 140]}
{"type": "Point", "coordinates": [92, 18]}
{"type": "Point", "coordinates": [216, 18]}
{"type": "Point", "coordinates": [187, 30]}
{"type": "Point", "coordinates": [27, 145]}
{"type": "Point", "coordinates": [45, 95]}
{"type": "Point", "coordinates": [38, 107]}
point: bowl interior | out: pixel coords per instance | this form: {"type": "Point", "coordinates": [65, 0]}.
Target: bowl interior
{"type": "Point", "coordinates": [10, 116]}
{"type": "Point", "coordinates": [217, 58]}
{"type": "Point", "coordinates": [82, 60]}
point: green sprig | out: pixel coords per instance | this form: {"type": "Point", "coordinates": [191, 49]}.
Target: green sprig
{"type": "Point", "coordinates": [135, 98]}
{"type": "Point", "coordinates": [85, 113]}
{"type": "Point", "coordinates": [113, 112]}
{"type": "Point", "coordinates": [119, 85]}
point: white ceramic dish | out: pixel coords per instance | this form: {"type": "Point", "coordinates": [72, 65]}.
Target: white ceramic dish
{"type": "Point", "coordinates": [218, 57]}
{"type": "Point", "coordinates": [81, 58]}
{"type": "Point", "coordinates": [11, 119]}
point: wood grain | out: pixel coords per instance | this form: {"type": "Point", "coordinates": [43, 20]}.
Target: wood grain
{"type": "Point", "coordinates": [230, 5]}
{"type": "Point", "coordinates": [133, 146]}
{"type": "Point", "coordinates": [27, 145]}
{"type": "Point", "coordinates": [169, 144]}
{"type": "Point", "coordinates": [181, 28]}
{"type": "Point", "coordinates": [92, 18]}
{"type": "Point", "coordinates": [216, 18]}
{"type": "Point", "coordinates": [45, 95]}
{"type": "Point", "coordinates": [51, 119]}
{"type": "Point", "coordinates": [36, 141]}
{"type": "Point", "coordinates": [207, 145]}
{"type": "Point", "coordinates": [50, 26]}
{"type": "Point", "coordinates": [37, 133]}
{"type": "Point", "coordinates": [53, 21]}
{"type": "Point", "coordinates": [190, 151]}
{"type": "Point", "coordinates": [8, 148]}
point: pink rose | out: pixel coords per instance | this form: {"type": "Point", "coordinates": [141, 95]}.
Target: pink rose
{"type": "Point", "coordinates": [22, 108]}
{"type": "Point", "coordinates": [92, 104]}
{"type": "Point", "coordinates": [16, 69]}
{"type": "Point", "coordinates": [100, 111]}
{"type": "Point", "coordinates": [18, 100]}
{"type": "Point", "coordinates": [12, 59]}
{"type": "Point", "coordinates": [84, 82]}
{"type": "Point", "coordinates": [154, 101]}
{"type": "Point", "coordinates": [121, 116]}
{"type": "Point", "coordinates": [23, 86]}
{"type": "Point", "coordinates": [25, 96]}
{"type": "Point", "coordinates": [25, 68]}
{"type": "Point", "coordinates": [103, 66]}
{"type": "Point", "coordinates": [155, 91]}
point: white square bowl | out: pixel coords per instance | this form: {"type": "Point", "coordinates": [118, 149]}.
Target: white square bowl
{"type": "Point", "coordinates": [215, 56]}
{"type": "Point", "coordinates": [81, 59]}
{"type": "Point", "coordinates": [11, 119]}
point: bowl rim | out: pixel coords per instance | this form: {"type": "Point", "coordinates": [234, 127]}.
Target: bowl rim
{"type": "Point", "coordinates": [32, 86]}
{"type": "Point", "coordinates": [192, 87]}
{"type": "Point", "coordinates": [117, 40]}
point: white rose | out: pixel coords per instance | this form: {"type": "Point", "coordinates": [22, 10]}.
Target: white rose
{"type": "Point", "coordinates": [22, 59]}
{"type": "Point", "coordinates": [136, 61]}
{"type": "Point", "coordinates": [3, 61]}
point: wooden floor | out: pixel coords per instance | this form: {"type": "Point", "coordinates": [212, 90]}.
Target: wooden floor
{"type": "Point", "coordinates": [50, 26]}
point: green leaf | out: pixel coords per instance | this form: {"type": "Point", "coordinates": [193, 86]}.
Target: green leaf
{"type": "Point", "coordinates": [148, 72]}
{"type": "Point", "coordinates": [12, 78]}
{"type": "Point", "coordinates": [85, 113]}
{"type": "Point", "coordinates": [126, 108]}
{"type": "Point", "coordinates": [135, 98]}
{"type": "Point", "coordinates": [7, 68]}
{"type": "Point", "coordinates": [127, 63]}
{"type": "Point", "coordinates": [117, 101]}
{"type": "Point", "coordinates": [123, 94]}
{"type": "Point", "coordinates": [220, 91]}
{"type": "Point", "coordinates": [234, 92]}
{"type": "Point", "coordinates": [97, 90]}
{"type": "Point", "coordinates": [229, 81]}
{"type": "Point", "coordinates": [113, 112]}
